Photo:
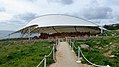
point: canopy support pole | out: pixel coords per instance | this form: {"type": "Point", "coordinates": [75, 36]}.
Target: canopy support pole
{"type": "Point", "coordinates": [22, 35]}
{"type": "Point", "coordinates": [75, 28]}
{"type": "Point", "coordinates": [101, 30]}
{"type": "Point", "coordinates": [9, 36]}
{"type": "Point", "coordinates": [54, 29]}
{"type": "Point", "coordinates": [29, 31]}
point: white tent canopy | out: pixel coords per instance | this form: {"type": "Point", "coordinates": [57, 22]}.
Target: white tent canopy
{"type": "Point", "coordinates": [59, 20]}
{"type": "Point", "coordinates": [57, 23]}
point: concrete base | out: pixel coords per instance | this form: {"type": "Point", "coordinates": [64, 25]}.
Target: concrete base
{"type": "Point", "coordinates": [72, 50]}
{"type": "Point", "coordinates": [78, 61]}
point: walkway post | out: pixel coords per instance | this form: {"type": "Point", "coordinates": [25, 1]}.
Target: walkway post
{"type": "Point", "coordinates": [78, 55]}
{"type": "Point", "coordinates": [72, 46]}
{"type": "Point", "coordinates": [45, 61]}
{"type": "Point", "coordinates": [56, 42]}
{"type": "Point", "coordinates": [53, 52]}
{"type": "Point", "coordinates": [70, 41]}
{"type": "Point", "coordinates": [66, 39]}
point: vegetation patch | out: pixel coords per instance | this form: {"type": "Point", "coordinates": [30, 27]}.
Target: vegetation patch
{"type": "Point", "coordinates": [25, 55]}
{"type": "Point", "coordinates": [104, 51]}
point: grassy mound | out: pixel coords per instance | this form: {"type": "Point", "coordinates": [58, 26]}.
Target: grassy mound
{"type": "Point", "coordinates": [111, 33]}
{"type": "Point", "coordinates": [102, 51]}
{"type": "Point", "coordinates": [25, 55]}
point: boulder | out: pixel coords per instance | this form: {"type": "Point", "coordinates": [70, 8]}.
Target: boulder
{"type": "Point", "coordinates": [84, 46]}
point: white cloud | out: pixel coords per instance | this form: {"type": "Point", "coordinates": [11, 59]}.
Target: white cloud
{"type": "Point", "coordinates": [19, 12]}
{"type": "Point", "coordinates": [4, 16]}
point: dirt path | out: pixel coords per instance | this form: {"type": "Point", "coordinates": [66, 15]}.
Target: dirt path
{"type": "Point", "coordinates": [65, 57]}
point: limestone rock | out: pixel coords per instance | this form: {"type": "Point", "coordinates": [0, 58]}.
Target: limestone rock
{"type": "Point", "coordinates": [84, 46]}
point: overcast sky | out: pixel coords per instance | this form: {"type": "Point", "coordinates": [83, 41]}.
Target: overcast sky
{"type": "Point", "coordinates": [15, 14]}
